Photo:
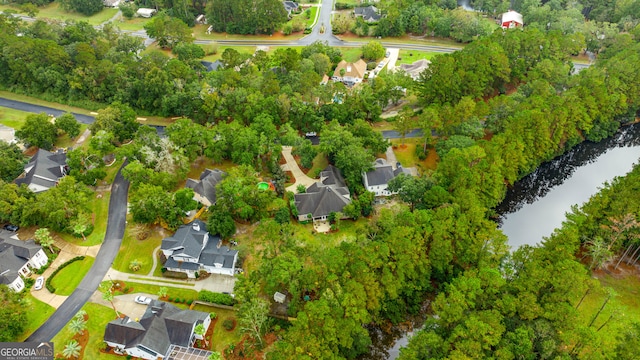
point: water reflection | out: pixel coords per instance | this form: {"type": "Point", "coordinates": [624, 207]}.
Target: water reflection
{"type": "Point", "coordinates": [535, 205]}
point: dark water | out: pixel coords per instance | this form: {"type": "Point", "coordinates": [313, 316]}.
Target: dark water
{"type": "Point", "coordinates": [537, 204]}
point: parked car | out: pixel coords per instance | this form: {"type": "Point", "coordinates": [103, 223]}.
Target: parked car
{"type": "Point", "coordinates": [387, 54]}
{"type": "Point", "coordinates": [39, 283]}
{"type": "Point", "coordinates": [311, 134]}
{"type": "Point", "coordinates": [11, 227]}
{"type": "Point", "coordinates": [143, 300]}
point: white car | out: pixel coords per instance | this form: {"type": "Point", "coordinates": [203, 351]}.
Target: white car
{"type": "Point", "coordinates": [39, 283]}
{"type": "Point", "coordinates": [143, 300]}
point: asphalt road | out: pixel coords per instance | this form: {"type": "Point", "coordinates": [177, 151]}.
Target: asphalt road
{"type": "Point", "coordinates": [108, 251]}
{"type": "Point", "coordinates": [392, 134]}
{"type": "Point", "coordinates": [19, 105]}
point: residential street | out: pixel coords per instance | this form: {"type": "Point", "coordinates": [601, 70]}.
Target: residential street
{"type": "Point", "coordinates": [23, 106]}
{"type": "Point", "coordinates": [107, 253]}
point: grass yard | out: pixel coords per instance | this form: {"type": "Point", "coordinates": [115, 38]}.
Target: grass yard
{"type": "Point", "coordinates": [135, 24]}
{"type": "Point", "coordinates": [411, 56]}
{"type": "Point", "coordinates": [350, 54]}
{"type": "Point", "coordinates": [320, 162]}
{"type": "Point", "coordinates": [54, 11]}
{"type": "Point", "coordinates": [12, 118]}
{"type": "Point", "coordinates": [173, 292]}
{"type": "Point", "coordinates": [221, 338]}
{"type": "Point", "coordinates": [67, 279]}
{"type": "Point", "coordinates": [98, 317]}
{"type": "Point", "coordinates": [200, 33]}
{"type": "Point", "coordinates": [406, 154]}
{"type": "Point", "coordinates": [99, 207]}
{"type": "Point", "coordinates": [37, 313]}
{"type": "Point", "coordinates": [221, 49]}
{"type": "Point", "coordinates": [625, 307]}
{"type": "Point", "coordinates": [134, 249]}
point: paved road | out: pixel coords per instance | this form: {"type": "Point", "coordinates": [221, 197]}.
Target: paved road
{"type": "Point", "coordinates": [392, 134]}
{"type": "Point", "coordinates": [106, 255]}
{"type": "Point", "coordinates": [19, 105]}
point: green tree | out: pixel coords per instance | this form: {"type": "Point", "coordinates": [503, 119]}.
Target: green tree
{"type": "Point", "coordinates": [13, 314]}
{"type": "Point", "coordinates": [162, 292]}
{"type": "Point", "coordinates": [215, 356]}
{"type": "Point", "coordinates": [372, 51]}
{"type": "Point", "coordinates": [188, 51]}
{"type": "Point", "coordinates": [253, 318]}
{"type": "Point", "coordinates": [168, 31]}
{"type": "Point", "coordinates": [85, 7]}
{"type": "Point", "coordinates": [44, 238]}
{"type": "Point", "coordinates": [12, 161]}
{"type": "Point", "coordinates": [71, 350]}
{"type": "Point", "coordinates": [404, 123]}
{"type": "Point", "coordinates": [78, 325]}
{"type": "Point", "coordinates": [221, 223]}
{"type": "Point", "coordinates": [37, 131]}
{"type": "Point", "coordinates": [118, 119]}
{"type": "Point", "coordinates": [411, 189]}
{"type": "Point", "coordinates": [68, 123]}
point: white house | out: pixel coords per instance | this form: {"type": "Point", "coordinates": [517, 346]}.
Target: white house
{"type": "Point", "coordinates": [17, 259]}
{"type": "Point", "coordinates": [44, 170]}
{"type": "Point", "coordinates": [511, 19]}
{"type": "Point", "coordinates": [192, 249]}
{"type": "Point", "coordinates": [162, 327]}
{"type": "Point", "coordinates": [111, 3]}
{"type": "Point", "coordinates": [377, 180]}
{"type": "Point", "coordinates": [8, 134]}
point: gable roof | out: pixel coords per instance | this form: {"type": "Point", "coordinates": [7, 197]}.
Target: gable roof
{"type": "Point", "coordinates": [211, 66]}
{"type": "Point", "coordinates": [44, 169]}
{"type": "Point", "coordinates": [206, 186]}
{"type": "Point", "coordinates": [161, 326]}
{"type": "Point", "coordinates": [14, 254]}
{"type": "Point", "coordinates": [329, 194]}
{"type": "Point", "coordinates": [189, 240]}
{"type": "Point", "coordinates": [355, 70]}
{"type": "Point", "coordinates": [382, 173]}
{"type": "Point", "coordinates": [216, 253]}
{"type": "Point", "coordinates": [368, 13]}
{"type": "Point", "coordinates": [290, 6]}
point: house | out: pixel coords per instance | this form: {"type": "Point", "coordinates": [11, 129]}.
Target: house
{"type": "Point", "coordinates": [290, 6]}
{"type": "Point", "coordinates": [17, 258]}
{"type": "Point", "coordinates": [146, 12]}
{"type": "Point", "coordinates": [377, 180]}
{"type": "Point", "coordinates": [369, 13]}
{"type": "Point", "coordinates": [205, 188]}
{"type": "Point", "coordinates": [511, 19]}
{"type": "Point", "coordinates": [7, 134]}
{"type": "Point", "coordinates": [353, 72]}
{"type": "Point", "coordinates": [162, 327]}
{"type": "Point", "coordinates": [111, 3]}
{"type": "Point", "coordinates": [414, 70]}
{"type": "Point", "coordinates": [328, 195]}
{"type": "Point", "coordinates": [44, 170]}
{"type": "Point", "coordinates": [192, 249]}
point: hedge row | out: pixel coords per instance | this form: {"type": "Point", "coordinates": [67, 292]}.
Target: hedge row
{"type": "Point", "coordinates": [216, 298]}
{"type": "Point", "coordinates": [48, 282]}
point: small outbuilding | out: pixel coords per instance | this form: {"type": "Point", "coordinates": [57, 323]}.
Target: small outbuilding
{"type": "Point", "coordinates": [146, 12]}
{"type": "Point", "coordinates": [279, 297]}
{"type": "Point", "coordinates": [511, 20]}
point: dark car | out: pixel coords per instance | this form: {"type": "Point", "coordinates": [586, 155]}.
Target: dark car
{"type": "Point", "coordinates": [11, 227]}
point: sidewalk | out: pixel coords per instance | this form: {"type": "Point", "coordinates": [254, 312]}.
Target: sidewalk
{"type": "Point", "coordinates": [67, 252]}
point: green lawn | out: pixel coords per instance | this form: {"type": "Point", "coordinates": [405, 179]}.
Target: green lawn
{"type": "Point", "coordinates": [54, 11]}
{"type": "Point", "coordinates": [406, 154]}
{"type": "Point", "coordinates": [187, 294]}
{"type": "Point", "coordinates": [99, 316]}
{"type": "Point", "coordinates": [37, 313]}
{"type": "Point", "coordinates": [99, 207]}
{"type": "Point", "coordinates": [350, 54]}
{"type": "Point", "coordinates": [411, 56]}
{"type": "Point", "coordinates": [625, 306]}
{"type": "Point", "coordinates": [12, 118]}
{"type": "Point", "coordinates": [134, 249]}
{"type": "Point", "coordinates": [221, 338]}
{"type": "Point", "coordinates": [221, 49]}
{"type": "Point", "coordinates": [134, 24]}
{"type": "Point", "coordinates": [312, 15]}
{"type": "Point", "coordinates": [320, 162]}
{"type": "Point", "coordinates": [67, 279]}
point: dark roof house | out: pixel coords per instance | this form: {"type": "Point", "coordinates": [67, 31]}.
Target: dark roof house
{"type": "Point", "coordinates": [377, 179]}
{"type": "Point", "coordinates": [205, 188]}
{"type": "Point", "coordinates": [44, 170]}
{"type": "Point", "coordinates": [328, 195]}
{"type": "Point", "coordinates": [17, 257]}
{"type": "Point", "coordinates": [290, 6]}
{"type": "Point", "coordinates": [212, 66]}
{"type": "Point", "coordinates": [369, 13]}
{"type": "Point", "coordinates": [161, 326]}
{"type": "Point", "coordinates": [192, 249]}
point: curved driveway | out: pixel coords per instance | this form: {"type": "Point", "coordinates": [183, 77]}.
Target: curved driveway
{"type": "Point", "coordinates": [106, 255]}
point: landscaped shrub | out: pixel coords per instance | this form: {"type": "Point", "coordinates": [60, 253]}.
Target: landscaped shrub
{"type": "Point", "coordinates": [212, 315]}
{"type": "Point", "coordinates": [228, 324]}
{"type": "Point", "coordinates": [216, 298]}
{"type": "Point", "coordinates": [420, 153]}
{"type": "Point", "coordinates": [189, 302]}
{"type": "Point", "coordinates": [170, 299]}
{"type": "Point", "coordinates": [343, 6]}
{"type": "Point", "coordinates": [47, 283]}
{"type": "Point", "coordinates": [175, 275]}
{"type": "Point", "coordinates": [28, 283]}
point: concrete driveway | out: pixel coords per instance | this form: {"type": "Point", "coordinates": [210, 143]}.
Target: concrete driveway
{"type": "Point", "coordinates": [393, 57]}
{"type": "Point", "coordinates": [292, 165]}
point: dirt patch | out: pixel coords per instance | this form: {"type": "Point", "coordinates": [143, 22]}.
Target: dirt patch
{"type": "Point", "coordinates": [247, 349]}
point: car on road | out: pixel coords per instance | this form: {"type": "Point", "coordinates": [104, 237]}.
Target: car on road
{"type": "Point", "coordinates": [143, 300]}
{"type": "Point", "coordinates": [39, 283]}
{"type": "Point", "coordinates": [11, 227]}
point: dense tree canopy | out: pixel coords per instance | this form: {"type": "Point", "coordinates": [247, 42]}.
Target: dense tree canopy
{"type": "Point", "coordinates": [246, 16]}
{"type": "Point", "coordinates": [13, 319]}
{"type": "Point", "coordinates": [38, 130]}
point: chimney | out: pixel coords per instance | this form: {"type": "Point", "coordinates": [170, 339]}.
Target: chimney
{"type": "Point", "coordinates": [348, 68]}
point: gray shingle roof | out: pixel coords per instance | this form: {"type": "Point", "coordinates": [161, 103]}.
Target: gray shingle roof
{"type": "Point", "coordinates": [382, 173]}
{"type": "Point", "coordinates": [161, 325]}
{"type": "Point", "coordinates": [290, 6]}
{"type": "Point", "coordinates": [206, 186]}
{"type": "Point", "coordinates": [321, 203]}
{"type": "Point", "coordinates": [368, 13]}
{"type": "Point", "coordinates": [188, 239]}
{"type": "Point", "coordinates": [214, 253]}
{"type": "Point", "coordinates": [44, 169]}
{"type": "Point", "coordinates": [14, 254]}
